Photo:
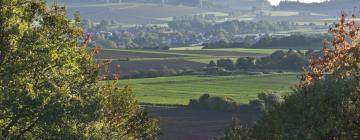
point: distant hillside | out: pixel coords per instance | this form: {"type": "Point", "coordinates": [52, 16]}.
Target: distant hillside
{"type": "Point", "coordinates": [241, 4]}
{"type": "Point", "coordinates": [130, 13]}
{"type": "Point", "coordinates": [332, 8]}
{"type": "Point", "coordinates": [218, 4]}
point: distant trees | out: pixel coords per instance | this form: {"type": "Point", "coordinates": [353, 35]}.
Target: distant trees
{"type": "Point", "coordinates": [279, 60]}
{"type": "Point", "coordinates": [226, 63]}
{"type": "Point", "coordinates": [291, 42]}
{"type": "Point", "coordinates": [273, 42]}
{"type": "Point", "coordinates": [151, 73]}
{"type": "Point", "coordinates": [223, 44]}
{"type": "Point", "coordinates": [214, 103]}
{"type": "Point", "coordinates": [203, 24]}
{"type": "Point", "coordinates": [263, 103]}
{"type": "Point", "coordinates": [49, 81]}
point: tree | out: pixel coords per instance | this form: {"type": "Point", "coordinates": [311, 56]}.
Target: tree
{"type": "Point", "coordinates": [226, 63]}
{"type": "Point", "coordinates": [122, 117]}
{"type": "Point", "coordinates": [236, 131]}
{"type": "Point", "coordinates": [49, 81]}
{"type": "Point", "coordinates": [245, 62]}
{"type": "Point", "coordinates": [211, 64]}
{"type": "Point", "coordinates": [48, 85]}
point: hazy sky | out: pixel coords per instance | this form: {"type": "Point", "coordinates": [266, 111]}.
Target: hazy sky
{"type": "Point", "coordinates": [275, 2]}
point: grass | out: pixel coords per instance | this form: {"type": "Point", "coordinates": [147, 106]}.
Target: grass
{"type": "Point", "coordinates": [218, 14]}
{"type": "Point", "coordinates": [187, 48]}
{"type": "Point", "coordinates": [282, 13]}
{"type": "Point", "coordinates": [247, 50]}
{"type": "Point", "coordinates": [167, 19]}
{"type": "Point", "coordinates": [180, 89]}
{"type": "Point", "coordinates": [207, 60]}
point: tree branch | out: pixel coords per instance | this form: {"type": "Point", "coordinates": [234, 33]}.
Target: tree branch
{"type": "Point", "coordinates": [5, 131]}
{"type": "Point", "coordinates": [22, 132]}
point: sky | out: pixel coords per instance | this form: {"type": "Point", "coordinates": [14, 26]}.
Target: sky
{"type": "Point", "coordinates": [276, 2]}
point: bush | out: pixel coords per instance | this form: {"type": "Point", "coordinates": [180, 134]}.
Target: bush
{"type": "Point", "coordinates": [214, 103]}
{"type": "Point", "coordinates": [265, 102]}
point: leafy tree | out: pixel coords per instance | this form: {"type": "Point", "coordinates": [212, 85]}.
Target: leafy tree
{"type": "Point", "coordinates": [245, 62]}
{"type": "Point", "coordinates": [211, 64]}
{"type": "Point", "coordinates": [226, 63]}
{"type": "Point", "coordinates": [47, 84]}
{"type": "Point", "coordinates": [122, 117]}
{"type": "Point", "coordinates": [48, 81]}
{"type": "Point", "coordinates": [236, 131]}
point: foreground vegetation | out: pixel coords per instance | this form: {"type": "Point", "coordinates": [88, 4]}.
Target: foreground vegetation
{"type": "Point", "coordinates": [325, 104]}
{"type": "Point", "coordinates": [49, 81]}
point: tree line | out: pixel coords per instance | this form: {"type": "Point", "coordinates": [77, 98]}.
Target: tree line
{"type": "Point", "coordinates": [274, 42]}
{"type": "Point", "coordinates": [279, 60]}
{"type": "Point", "coordinates": [203, 24]}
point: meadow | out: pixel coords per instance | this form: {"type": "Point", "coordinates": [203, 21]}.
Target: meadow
{"type": "Point", "coordinates": [180, 89]}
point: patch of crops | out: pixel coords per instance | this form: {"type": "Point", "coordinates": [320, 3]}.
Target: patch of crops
{"type": "Point", "coordinates": [180, 89]}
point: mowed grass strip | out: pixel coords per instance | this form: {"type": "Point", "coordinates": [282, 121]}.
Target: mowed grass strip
{"type": "Point", "coordinates": [180, 89]}
{"type": "Point", "coordinates": [207, 60]}
{"type": "Point", "coordinates": [246, 50]}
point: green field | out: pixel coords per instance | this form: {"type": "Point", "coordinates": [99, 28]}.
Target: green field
{"type": "Point", "coordinates": [187, 48]}
{"type": "Point", "coordinates": [282, 13]}
{"type": "Point", "coordinates": [246, 50]}
{"type": "Point", "coordinates": [180, 89]}
{"type": "Point", "coordinates": [207, 60]}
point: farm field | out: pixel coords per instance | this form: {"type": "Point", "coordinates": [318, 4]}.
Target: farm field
{"type": "Point", "coordinates": [182, 123]}
{"type": "Point", "coordinates": [219, 52]}
{"type": "Point", "coordinates": [126, 67]}
{"type": "Point", "coordinates": [246, 50]}
{"type": "Point", "coordinates": [139, 60]}
{"type": "Point", "coordinates": [180, 89]}
{"type": "Point", "coordinates": [133, 13]}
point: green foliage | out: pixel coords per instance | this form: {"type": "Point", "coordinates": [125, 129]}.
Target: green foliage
{"type": "Point", "coordinates": [265, 102]}
{"type": "Point", "coordinates": [290, 60]}
{"type": "Point", "coordinates": [48, 81]}
{"type": "Point", "coordinates": [246, 62]}
{"type": "Point", "coordinates": [214, 103]}
{"type": "Point", "coordinates": [329, 109]}
{"type": "Point", "coordinates": [122, 117]}
{"type": "Point", "coordinates": [47, 85]}
{"type": "Point", "coordinates": [326, 107]}
{"type": "Point", "coordinates": [226, 63]}
{"type": "Point", "coordinates": [201, 24]}
{"type": "Point", "coordinates": [278, 60]}
{"type": "Point", "coordinates": [236, 131]}
{"type": "Point", "coordinates": [291, 42]}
